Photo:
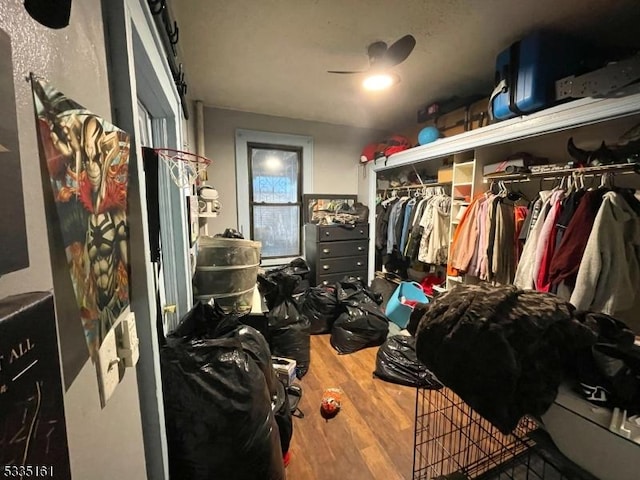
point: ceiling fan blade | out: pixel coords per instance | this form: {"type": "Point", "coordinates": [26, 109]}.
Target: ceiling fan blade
{"type": "Point", "coordinates": [340, 72]}
{"type": "Point", "coordinates": [399, 51]}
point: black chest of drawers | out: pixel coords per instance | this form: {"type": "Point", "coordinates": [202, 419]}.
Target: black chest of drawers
{"type": "Point", "coordinates": [333, 251]}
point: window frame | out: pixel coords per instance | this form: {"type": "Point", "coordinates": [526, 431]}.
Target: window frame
{"type": "Point", "coordinates": [243, 138]}
{"type": "Point", "coordinates": [285, 148]}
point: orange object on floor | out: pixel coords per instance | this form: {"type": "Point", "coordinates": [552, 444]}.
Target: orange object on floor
{"type": "Point", "coordinates": [331, 403]}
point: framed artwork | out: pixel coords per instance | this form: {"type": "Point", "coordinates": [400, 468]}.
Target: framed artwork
{"type": "Point", "coordinates": [87, 159]}
{"type": "Point", "coordinates": [317, 207]}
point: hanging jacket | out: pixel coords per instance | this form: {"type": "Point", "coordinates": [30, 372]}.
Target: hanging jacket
{"type": "Point", "coordinates": [609, 274]}
{"type": "Point", "coordinates": [464, 239]}
{"type": "Point", "coordinates": [524, 273]}
{"type": "Point", "coordinates": [547, 243]}
{"type": "Point", "coordinates": [566, 259]}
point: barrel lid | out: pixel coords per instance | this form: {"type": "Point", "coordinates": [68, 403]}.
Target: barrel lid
{"type": "Point", "coordinates": [206, 241]}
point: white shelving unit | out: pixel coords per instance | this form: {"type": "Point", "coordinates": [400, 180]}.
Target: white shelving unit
{"type": "Point", "coordinates": [462, 192]}
{"type": "Point", "coordinates": [466, 146]}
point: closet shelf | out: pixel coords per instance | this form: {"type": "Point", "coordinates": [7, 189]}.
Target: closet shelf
{"type": "Point", "coordinates": [550, 175]}
{"type": "Point", "coordinates": [555, 119]}
{"type": "Point", "coordinates": [208, 215]}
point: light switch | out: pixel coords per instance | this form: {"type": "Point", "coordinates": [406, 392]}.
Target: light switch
{"type": "Point", "coordinates": [107, 367]}
{"type": "Point", "coordinates": [128, 348]}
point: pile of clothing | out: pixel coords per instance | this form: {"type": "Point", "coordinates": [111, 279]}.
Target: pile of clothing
{"type": "Point", "coordinates": [505, 351]}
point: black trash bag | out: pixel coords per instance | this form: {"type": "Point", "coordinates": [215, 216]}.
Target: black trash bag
{"type": "Point", "coordinates": [288, 327]}
{"type": "Point", "coordinates": [608, 373]}
{"type": "Point", "coordinates": [361, 323]}
{"type": "Point", "coordinates": [206, 321]}
{"type": "Point", "coordinates": [320, 305]}
{"type": "Point", "coordinates": [384, 285]}
{"type": "Point", "coordinates": [504, 351]}
{"type": "Point", "coordinates": [298, 267]}
{"type": "Point", "coordinates": [283, 417]}
{"type": "Point", "coordinates": [218, 413]}
{"type": "Point", "coordinates": [396, 362]}
{"type": "Point", "coordinates": [359, 327]}
{"type": "Point", "coordinates": [352, 292]}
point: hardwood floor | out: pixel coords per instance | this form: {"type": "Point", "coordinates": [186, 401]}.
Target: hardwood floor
{"type": "Point", "coordinates": [372, 436]}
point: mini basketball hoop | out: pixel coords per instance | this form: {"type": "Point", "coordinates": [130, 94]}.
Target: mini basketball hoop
{"type": "Point", "coordinates": [184, 167]}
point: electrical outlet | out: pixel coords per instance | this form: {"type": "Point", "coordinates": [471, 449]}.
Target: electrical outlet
{"type": "Point", "coordinates": [108, 367]}
{"type": "Point", "coordinates": [128, 346]}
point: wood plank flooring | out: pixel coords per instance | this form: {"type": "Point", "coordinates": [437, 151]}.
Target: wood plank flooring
{"type": "Point", "coordinates": [372, 436]}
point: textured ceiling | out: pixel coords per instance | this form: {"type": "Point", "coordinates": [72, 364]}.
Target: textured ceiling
{"type": "Point", "coordinates": [271, 56]}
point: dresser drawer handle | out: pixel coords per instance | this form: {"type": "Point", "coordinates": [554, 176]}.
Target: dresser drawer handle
{"type": "Point", "coordinates": [360, 249]}
{"type": "Point", "coordinates": [325, 267]}
{"type": "Point", "coordinates": [359, 264]}
{"type": "Point", "coordinates": [326, 250]}
{"type": "Point", "coordinates": [361, 232]}
{"type": "Point", "coordinates": [327, 233]}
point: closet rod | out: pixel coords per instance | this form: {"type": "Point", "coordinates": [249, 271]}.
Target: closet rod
{"type": "Point", "coordinates": [416, 186]}
{"type": "Point", "coordinates": [550, 175]}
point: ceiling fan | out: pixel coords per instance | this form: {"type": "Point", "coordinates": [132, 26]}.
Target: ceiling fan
{"type": "Point", "coordinates": [382, 56]}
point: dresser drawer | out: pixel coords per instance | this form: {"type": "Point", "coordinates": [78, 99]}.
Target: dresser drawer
{"type": "Point", "coordinates": [336, 277]}
{"type": "Point", "coordinates": [342, 249]}
{"type": "Point", "coordinates": [343, 264]}
{"type": "Point", "coordinates": [340, 232]}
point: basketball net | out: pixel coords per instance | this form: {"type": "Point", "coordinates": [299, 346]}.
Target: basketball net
{"type": "Point", "coordinates": [185, 168]}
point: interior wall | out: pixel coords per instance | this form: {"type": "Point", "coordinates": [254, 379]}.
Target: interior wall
{"type": "Point", "coordinates": [336, 153]}
{"type": "Point", "coordinates": [103, 443]}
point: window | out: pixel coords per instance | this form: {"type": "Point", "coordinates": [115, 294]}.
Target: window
{"type": "Point", "coordinates": [273, 172]}
{"type": "Point", "coordinates": [274, 198]}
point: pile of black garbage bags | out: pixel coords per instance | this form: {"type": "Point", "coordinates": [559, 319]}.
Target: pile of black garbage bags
{"type": "Point", "coordinates": [226, 413]}
{"type": "Point", "coordinates": [348, 310]}
{"type": "Point", "coordinates": [505, 351]}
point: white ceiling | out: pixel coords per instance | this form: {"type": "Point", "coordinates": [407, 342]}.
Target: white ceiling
{"type": "Point", "coordinates": [271, 56]}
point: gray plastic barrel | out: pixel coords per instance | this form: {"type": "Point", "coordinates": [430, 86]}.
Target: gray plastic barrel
{"type": "Point", "coordinates": [226, 271]}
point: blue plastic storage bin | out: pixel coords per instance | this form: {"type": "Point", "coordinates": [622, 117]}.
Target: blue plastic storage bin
{"type": "Point", "coordinates": [526, 72]}
{"type": "Point", "coordinates": [396, 311]}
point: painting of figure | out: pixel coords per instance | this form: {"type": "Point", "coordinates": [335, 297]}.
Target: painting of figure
{"type": "Point", "coordinates": [88, 160]}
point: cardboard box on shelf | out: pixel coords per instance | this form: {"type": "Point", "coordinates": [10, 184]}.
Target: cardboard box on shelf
{"type": "Point", "coordinates": [464, 119]}
{"type": "Point", "coordinates": [445, 175]}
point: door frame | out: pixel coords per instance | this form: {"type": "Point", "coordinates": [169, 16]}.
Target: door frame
{"type": "Point", "coordinates": [138, 69]}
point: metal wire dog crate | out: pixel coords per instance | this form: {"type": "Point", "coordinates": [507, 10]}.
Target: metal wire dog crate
{"type": "Point", "coordinates": [453, 442]}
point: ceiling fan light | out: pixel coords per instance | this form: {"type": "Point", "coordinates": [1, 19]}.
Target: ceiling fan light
{"type": "Point", "coordinates": [379, 81]}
